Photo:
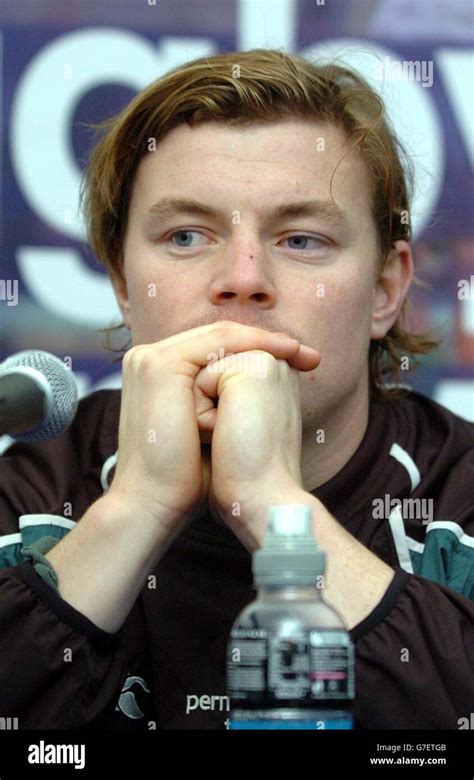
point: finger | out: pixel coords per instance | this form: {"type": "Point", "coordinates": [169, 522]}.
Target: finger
{"type": "Point", "coordinates": [217, 341]}
{"type": "Point", "coordinates": [206, 428]}
{"type": "Point", "coordinates": [304, 359]}
{"type": "Point", "coordinates": [207, 384]}
{"type": "Point", "coordinates": [205, 411]}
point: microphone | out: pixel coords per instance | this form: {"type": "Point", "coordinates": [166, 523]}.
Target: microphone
{"type": "Point", "coordinates": [38, 396]}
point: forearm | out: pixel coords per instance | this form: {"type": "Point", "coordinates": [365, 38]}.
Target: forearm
{"type": "Point", "coordinates": [103, 562]}
{"type": "Point", "coordinates": [355, 580]}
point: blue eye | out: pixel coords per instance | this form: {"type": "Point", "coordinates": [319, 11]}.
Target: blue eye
{"type": "Point", "coordinates": [302, 241]}
{"type": "Point", "coordinates": [184, 235]}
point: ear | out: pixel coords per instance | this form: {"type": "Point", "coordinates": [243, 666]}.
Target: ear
{"type": "Point", "coordinates": [121, 293]}
{"type": "Point", "coordinates": [391, 288]}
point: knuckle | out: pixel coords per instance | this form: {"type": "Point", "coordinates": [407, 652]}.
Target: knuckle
{"type": "Point", "coordinates": [130, 358]}
{"type": "Point", "coordinates": [127, 358]}
{"type": "Point", "coordinates": [141, 359]}
{"type": "Point", "coordinates": [221, 330]}
{"type": "Point", "coordinates": [225, 324]}
{"type": "Point", "coordinates": [147, 362]}
{"type": "Point", "coordinates": [228, 325]}
{"type": "Point", "coordinates": [266, 357]}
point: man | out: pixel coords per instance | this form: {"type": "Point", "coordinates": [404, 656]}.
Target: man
{"type": "Point", "coordinates": [260, 346]}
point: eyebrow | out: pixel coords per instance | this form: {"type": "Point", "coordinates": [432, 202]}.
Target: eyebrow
{"type": "Point", "coordinates": [170, 207]}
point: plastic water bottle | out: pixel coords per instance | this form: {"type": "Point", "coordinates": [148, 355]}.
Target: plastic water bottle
{"type": "Point", "coordinates": [290, 659]}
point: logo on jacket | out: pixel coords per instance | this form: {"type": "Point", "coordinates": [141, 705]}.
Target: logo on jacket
{"type": "Point", "coordinates": [127, 703]}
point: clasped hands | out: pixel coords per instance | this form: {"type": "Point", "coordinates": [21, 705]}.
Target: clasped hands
{"type": "Point", "coordinates": [248, 410]}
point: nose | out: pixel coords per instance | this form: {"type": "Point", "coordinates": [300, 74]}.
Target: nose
{"type": "Point", "coordinates": [242, 275]}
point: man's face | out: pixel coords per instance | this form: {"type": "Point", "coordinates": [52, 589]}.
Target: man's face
{"type": "Point", "coordinates": [311, 274]}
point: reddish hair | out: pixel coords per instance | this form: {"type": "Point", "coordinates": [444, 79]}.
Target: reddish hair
{"type": "Point", "coordinates": [243, 88]}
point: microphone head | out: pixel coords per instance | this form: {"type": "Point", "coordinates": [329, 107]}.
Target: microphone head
{"type": "Point", "coordinates": [61, 390]}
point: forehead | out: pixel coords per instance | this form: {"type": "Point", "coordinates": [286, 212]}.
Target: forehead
{"type": "Point", "coordinates": [250, 166]}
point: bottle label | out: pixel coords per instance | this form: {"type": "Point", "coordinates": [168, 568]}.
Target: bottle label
{"type": "Point", "coordinates": [315, 725]}
{"type": "Point", "coordinates": [331, 662]}
{"type": "Point", "coordinates": [243, 722]}
{"type": "Point", "coordinates": [264, 669]}
{"type": "Point", "coordinates": [247, 661]}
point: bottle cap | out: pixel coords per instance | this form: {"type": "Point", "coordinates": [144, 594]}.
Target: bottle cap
{"type": "Point", "coordinates": [289, 554]}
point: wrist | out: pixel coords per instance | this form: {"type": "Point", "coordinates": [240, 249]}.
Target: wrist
{"type": "Point", "coordinates": [252, 524]}
{"type": "Point", "coordinates": [278, 493]}
{"type": "Point", "coordinates": [118, 512]}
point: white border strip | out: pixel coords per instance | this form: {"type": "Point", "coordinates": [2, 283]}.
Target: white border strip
{"type": "Point", "coordinates": [406, 460]}
{"type": "Point", "coordinates": [6, 441]}
{"type": "Point", "coordinates": [62, 522]}
{"type": "Point", "coordinates": [106, 468]}
{"type": "Point", "coordinates": [440, 525]}
{"type": "Point", "coordinates": [5, 541]}
{"type": "Point", "coordinates": [399, 537]}
{"type": "Point", "coordinates": [454, 528]}
{"type": "Point", "coordinates": [412, 544]}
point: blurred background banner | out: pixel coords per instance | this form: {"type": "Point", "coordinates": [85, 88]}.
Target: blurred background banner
{"type": "Point", "coordinates": [66, 64]}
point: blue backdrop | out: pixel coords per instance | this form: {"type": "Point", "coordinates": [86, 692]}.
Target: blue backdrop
{"type": "Point", "coordinates": [63, 65]}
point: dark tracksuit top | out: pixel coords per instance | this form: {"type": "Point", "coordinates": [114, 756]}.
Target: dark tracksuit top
{"type": "Point", "coordinates": [165, 667]}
